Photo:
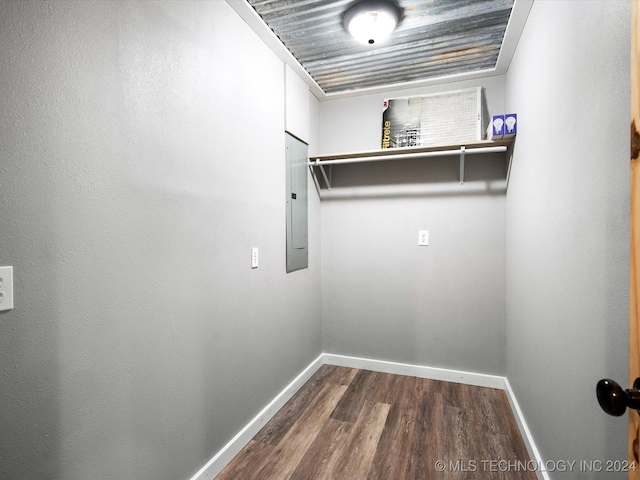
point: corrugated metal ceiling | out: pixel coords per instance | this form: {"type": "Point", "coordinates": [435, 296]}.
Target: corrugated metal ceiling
{"type": "Point", "coordinates": [435, 38]}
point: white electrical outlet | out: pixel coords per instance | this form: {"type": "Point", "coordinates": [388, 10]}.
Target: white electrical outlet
{"type": "Point", "coordinates": [254, 257]}
{"type": "Point", "coordinates": [423, 237]}
{"type": "Point", "coordinates": [6, 288]}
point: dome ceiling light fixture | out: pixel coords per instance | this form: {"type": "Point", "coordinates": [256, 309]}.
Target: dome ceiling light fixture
{"type": "Point", "coordinates": [372, 21]}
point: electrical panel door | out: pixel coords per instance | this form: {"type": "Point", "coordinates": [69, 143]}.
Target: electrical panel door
{"type": "Point", "coordinates": [297, 203]}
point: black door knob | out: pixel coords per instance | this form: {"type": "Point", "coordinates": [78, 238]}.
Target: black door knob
{"type": "Point", "coordinates": [614, 400]}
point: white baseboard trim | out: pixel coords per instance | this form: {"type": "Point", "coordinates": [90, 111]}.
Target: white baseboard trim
{"type": "Point", "coordinates": [525, 432]}
{"type": "Point", "coordinates": [214, 466]}
{"type": "Point", "coordinates": [456, 376]}
{"type": "Point", "coordinates": [237, 443]}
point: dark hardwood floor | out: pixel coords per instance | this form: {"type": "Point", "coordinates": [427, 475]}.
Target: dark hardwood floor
{"type": "Point", "coordinates": [356, 424]}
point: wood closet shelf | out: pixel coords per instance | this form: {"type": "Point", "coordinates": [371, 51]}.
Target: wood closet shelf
{"type": "Point", "coordinates": [387, 154]}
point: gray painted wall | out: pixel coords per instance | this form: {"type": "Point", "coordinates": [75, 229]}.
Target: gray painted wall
{"type": "Point", "coordinates": [141, 157]}
{"type": "Point", "coordinates": [383, 297]}
{"type": "Point", "coordinates": [568, 227]}
{"type": "Point", "coordinates": [141, 341]}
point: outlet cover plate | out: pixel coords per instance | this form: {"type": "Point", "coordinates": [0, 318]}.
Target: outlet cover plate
{"type": "Point", "coordinates": [6, 288]}
{"type": "Point", "coordinates": [423, 238]}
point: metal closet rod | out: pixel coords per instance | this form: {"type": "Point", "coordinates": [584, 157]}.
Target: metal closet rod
{"type": "Point", "coordinates": [437, 153]}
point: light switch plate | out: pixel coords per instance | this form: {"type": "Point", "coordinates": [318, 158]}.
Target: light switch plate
{"type": "Point", "coordinates": [6, 288]}
{"type": "Point", "coordinates": [423, 237]}
{"type": "Point", "coordinates": [254, 257]}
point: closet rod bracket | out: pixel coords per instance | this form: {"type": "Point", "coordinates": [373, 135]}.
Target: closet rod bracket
{"type": "Point", "coordinates": [324, 173]}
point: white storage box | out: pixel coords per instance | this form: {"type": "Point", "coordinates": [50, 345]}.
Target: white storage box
{"type": "Point", "coordinates": [436, 119]}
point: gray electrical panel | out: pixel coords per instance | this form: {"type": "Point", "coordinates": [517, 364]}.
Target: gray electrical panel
{"type": "Point", "coordinates": [297, 225]}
